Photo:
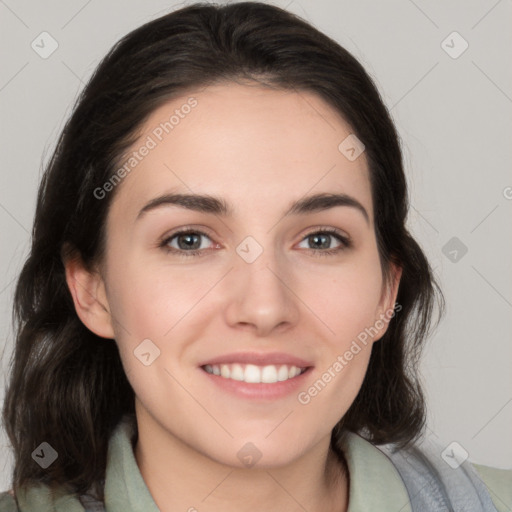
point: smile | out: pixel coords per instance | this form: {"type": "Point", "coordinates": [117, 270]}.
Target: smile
{"type": "Point", "coordinates": [253, 374]}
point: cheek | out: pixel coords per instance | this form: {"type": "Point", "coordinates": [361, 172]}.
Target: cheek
{"type": "Point", "coordinates": [152, 299]}
{"type": "Point", "coordinates": [344, 297]}
{"type": "Point", "coordinates": [350, 308]}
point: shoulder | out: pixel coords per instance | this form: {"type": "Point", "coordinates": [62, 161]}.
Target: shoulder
{"type": "Point", "coordinates": [40, 498]}
{"type": "Point", "coordinates": [499, 483]}
{"type": "Point", "coordinates": [7, 502]}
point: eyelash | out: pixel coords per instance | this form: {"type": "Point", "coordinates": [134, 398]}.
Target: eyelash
{"type": "Point", "coordinates": [346, 243]}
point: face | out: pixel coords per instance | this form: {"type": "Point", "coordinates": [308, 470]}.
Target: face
{"type": "Point", "coordinates": [255, 291]}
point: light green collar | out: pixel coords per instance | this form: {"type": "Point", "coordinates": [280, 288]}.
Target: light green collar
{"type": "Point", "coordinates": [125, 489]}
{"type": "Point", "coordinates": [375, 483]}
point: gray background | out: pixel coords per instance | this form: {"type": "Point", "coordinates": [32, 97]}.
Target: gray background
{"type": "Point", "coordinates": [454, 118]}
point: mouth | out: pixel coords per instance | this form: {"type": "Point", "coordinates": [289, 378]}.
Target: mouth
{"type": "Point", "coordinates": [259, 384]}
{"type": "Point", "coordinates": [257, 376]}
{"type": "Point", "coordinates": [254, 374]}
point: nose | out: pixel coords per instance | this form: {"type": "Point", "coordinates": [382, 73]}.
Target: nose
{"type": "Point", "coordinates": [261, 296]}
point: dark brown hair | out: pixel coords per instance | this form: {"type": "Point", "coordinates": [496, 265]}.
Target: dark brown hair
{"type": "Point", "coordinates": [67, 386]}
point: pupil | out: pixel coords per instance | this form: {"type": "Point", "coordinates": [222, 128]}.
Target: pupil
{"type": "Point", "coordinates": [191, 241]}
{"type": "Point", "coordinates": [324, 245]}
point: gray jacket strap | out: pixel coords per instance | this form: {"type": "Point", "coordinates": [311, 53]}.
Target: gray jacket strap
{"type": "Point", "coordinates": [90, 504]}
{"type": "Point", "coordinates": [434, 485]}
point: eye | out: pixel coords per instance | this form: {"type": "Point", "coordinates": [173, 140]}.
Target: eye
{"type": "Point", "coordinates": [321, 241]}
{"type": "Point", "coordinates": [186, 242]}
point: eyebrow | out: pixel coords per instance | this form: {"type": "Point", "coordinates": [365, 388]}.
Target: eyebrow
{"type": "Point", "coordinates": [218, 206]}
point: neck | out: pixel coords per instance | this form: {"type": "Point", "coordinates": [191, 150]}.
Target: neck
{"type": "Point", "coordinates": [181, 478]}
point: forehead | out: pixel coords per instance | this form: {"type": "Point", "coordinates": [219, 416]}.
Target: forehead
{"type": "Point", "coordinates": [259, 148]}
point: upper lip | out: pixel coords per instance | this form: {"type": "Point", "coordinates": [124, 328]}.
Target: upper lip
{"type": "Point", "coordinates": [259, 359]}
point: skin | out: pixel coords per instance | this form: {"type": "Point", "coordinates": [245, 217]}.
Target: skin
{"type": "Point", "coordinates": [259, 149]}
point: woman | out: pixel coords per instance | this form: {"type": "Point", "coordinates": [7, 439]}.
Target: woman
{"type": "Point", "coordinates": [223, 308]}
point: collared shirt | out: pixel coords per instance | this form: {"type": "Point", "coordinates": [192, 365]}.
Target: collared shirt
{"type": "Point", "coordinates": [375, 484]}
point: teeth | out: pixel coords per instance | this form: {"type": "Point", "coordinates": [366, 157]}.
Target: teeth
{"type": "Point", "coordinates": [255, 374]}
{"type": "Point", "coordinates": [237, 372]}
{"type": "Point", "coordinates": [269, 374]}
{"type": "Point", "coordinates": [283, 374]}
{"type": "Point", "coordinates": [252, 374]}
{"type": "Point", "coordinates": [225, 371]}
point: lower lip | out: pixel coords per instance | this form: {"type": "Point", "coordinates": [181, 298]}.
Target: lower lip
{"type": "Point", "coordinates": [259, 390]}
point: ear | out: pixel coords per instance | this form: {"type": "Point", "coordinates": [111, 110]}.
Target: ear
{"type": "Point", "coordinates": [386, 309]}
{"type": "Point", "coordinates": [88, 291]}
